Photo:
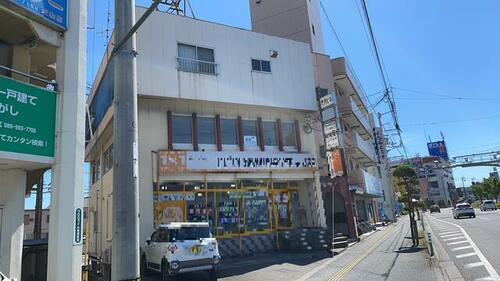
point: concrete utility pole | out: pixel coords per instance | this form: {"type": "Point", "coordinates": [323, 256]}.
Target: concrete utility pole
{"type": "Point", "coordinates": [66, 204]}
{"type": "Point", "coordinates": [125, 248]}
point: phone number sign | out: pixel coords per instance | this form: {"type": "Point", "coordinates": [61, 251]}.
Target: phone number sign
{"type": "Point", "coordinates": [51, 12]}
{"type": "Point", "coordinates": [27, 118]}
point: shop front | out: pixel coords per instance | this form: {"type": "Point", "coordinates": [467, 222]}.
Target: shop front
{"type": "Point", "coordinates": [246, 199]}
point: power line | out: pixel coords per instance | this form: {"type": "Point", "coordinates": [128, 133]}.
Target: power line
{"type": "Point", "coordinates": [337, 37]}
{"type": "Point", "coordinates": [454, 121]}
{"type": "Point", "coordinates": [445, 95]}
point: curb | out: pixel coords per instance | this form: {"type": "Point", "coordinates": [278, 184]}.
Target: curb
{"type": "Point", "coordinates": [446, 270]}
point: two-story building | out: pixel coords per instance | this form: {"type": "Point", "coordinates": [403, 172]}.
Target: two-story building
{"type": "Point", "coordinates": [221, 116]}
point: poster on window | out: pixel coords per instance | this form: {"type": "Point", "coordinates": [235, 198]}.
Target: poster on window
{"type": "Point", "coordinates": [250, 140]}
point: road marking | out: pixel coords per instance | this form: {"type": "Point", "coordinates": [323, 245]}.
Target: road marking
{"type": "Point", "coordinates": [474, 264]}
{"type": "Point", "coordinates": [486, 279]}
{"type": "Point", "coordinates": [458, 242]}
{"type": "Point", "coordinates": [466, 255]}
{"type": "Point", "coordinates": [461, 248]}
{"type": "Point", "coordinates": [488, 219]}
{"type": "Point", "coordinates": [449, 232]}
{"type": "Point", "coordinates": [450, 235]}
{"type": "Point", "coordinates": [454, 238]}
{"type": "Point", "coordinates": [494, 275]}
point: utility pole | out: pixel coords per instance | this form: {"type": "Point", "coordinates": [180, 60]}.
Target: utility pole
{"type": "Point", "coordinates": [125, 247]}
{"type": "Point", "coordinates": [37, 231]}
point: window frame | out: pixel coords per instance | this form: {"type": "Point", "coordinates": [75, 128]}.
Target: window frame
{"type": "Point", "coordinates": [206, 146]}
{"type": "Point", "coordinates": [274, 148]}
{"type": "Point", "coordinates": [260, 64]}
{"type": "Point", "coordinates": [196, 47]}
{"type": "Point", "coordinates": [231, 147]}
{"type": "Point", "coordinates": [285, 146]}
{"type": "Point", "coordinates": [182, 146]}
{"type": "Point", "coordinates": [251, 147]}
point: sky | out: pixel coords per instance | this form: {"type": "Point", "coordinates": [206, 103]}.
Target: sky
{"type": "Point", "coordinates": [441, 58]}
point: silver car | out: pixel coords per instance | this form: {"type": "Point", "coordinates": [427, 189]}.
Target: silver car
{"type": "Point", "coordinates": [488, 205]}
{"type": "Point", "coordinates": [463, 210]}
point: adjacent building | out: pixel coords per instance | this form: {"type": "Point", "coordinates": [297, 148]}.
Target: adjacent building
{"type": "Point", "coordinates": [437, 184]}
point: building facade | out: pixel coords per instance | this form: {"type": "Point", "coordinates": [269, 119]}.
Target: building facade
{"type": "Point", "coordinates": [436, 181]}
{"type": "Point", "coordinates": [221, 115]}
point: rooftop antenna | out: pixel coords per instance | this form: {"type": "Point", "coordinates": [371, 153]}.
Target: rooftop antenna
{"type": "Point", "coordinates": [178, 7]}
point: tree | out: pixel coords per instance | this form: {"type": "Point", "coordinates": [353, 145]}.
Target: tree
{"type": "Point", "coordinates": [491, 188]}
{"type": "Point", "coordinates": [406, 182]}
{"type": "Point", "coordinates": [478, 191]}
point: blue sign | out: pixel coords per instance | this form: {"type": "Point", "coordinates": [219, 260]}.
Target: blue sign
{"type": "Point", "coordinates": [438, 148]}
{"type": "Point", "coordinates": [53, 12]}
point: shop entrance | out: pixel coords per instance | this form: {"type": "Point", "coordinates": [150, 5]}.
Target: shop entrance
{"type": "Point", "coordinates": [231, 208]}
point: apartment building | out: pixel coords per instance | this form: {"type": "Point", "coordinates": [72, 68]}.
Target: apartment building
{"type": "Point", "coordinates": [355, 193]}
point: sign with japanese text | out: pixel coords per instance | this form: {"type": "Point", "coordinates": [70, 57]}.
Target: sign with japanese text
{"type": "Point", "coordinates": [195, 161]}
{"type": "Point", "coordinates": [438, 148]}
{"type": "Point", "coordinates": [27, 118]}
{"type": "Point", "coordinates": [51, 12]}
{"type": "Point", "coordinates": [326, 101]}
{"type": "Point", "coordinates": [78, 222]}
{"type": "Point", "coordinates": [335, 163]}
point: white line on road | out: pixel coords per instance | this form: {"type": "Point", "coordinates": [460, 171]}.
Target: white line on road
{"type": "Point", "coordinates": [449, 232]}
{"type": "Point", "coordinates": [474, 264]}
{"type": "Point", "coordinates": [458, 242]}
{"type": "Point", "coordinates": [486, 263]}
{"type": "Point", "coordinates": [486, 279]}
{"type": "Point", "coordinates": [461, 248]}
{"type": "Point", "coordinates": [466, 255]}
{"type": "Point", "coordinates": [454, 238]}
{"type": "Point", "coordinates": [450, 235]}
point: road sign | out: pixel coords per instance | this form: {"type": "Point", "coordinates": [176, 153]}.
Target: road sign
{"type": "Point", "coordinates": [27, 118]}
{"type": "Point", "coordinates": [78, 234]}
{"type": "Point", "coordinates": [51, 12]}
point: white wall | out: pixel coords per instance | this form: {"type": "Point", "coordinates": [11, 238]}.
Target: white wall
{"type": "Point", "coordinates": [290, 85]}
{"type": "Point", "coordinates": [12, 188]}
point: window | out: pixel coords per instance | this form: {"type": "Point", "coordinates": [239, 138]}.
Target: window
{"type": "Point", "coordinates": [250, 132]}
{"type": "Point", "coordinates": [196, 59]}
{"type": "Point", "coordinates": [434, 184]}
{"type": "Point", "coordinates": [229, 132]}
{"type": "Point", "coordinates": [48, 219]}
{"type": "Point", "coordinates": [107, 159]}
{"type": "Point", "coordinates": [96, 171]}
{"type": "Point", "coordinates": [261, 65]}
{"type": "Point", "coordinates": [289, 134]}
{"type": "Point", "coordinates": [182, 129]}
{"type": "Point", "coordinates": [206, 130]}
{"type": "Point", "coordinates": [269, 130]}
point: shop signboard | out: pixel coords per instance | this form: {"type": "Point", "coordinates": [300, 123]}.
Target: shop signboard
{"type": "Point", "coordinates": [332, 141]}
{"type": "Point", "coordinates": [438, 148]}
{"type": "Point", "coordinates": [27, 119]}
{"type": "Point", "coordinates": [171, 162]}
{"type": "Point", "coordinates": [50, 12]}
{"type": "Point", "coordinates": [328, 114]}
{"type": "Point", "coordinates": [335, 163]}
{"type": "Point", "coordinates": [330, 127]}
{"type": "Point", "coordinates": [244, 161]}
{"type": "Point", "coordinates": [326, 101]}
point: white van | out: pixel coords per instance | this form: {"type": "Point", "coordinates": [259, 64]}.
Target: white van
{"type": "Point", "coordinates": [181, 247]}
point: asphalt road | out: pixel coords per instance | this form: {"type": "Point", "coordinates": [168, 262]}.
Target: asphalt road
{"type": "Point", "coordinates": [473, 244]}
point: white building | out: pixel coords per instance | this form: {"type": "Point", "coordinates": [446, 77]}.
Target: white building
{"type": "Point", "coordinates": [221, 113]}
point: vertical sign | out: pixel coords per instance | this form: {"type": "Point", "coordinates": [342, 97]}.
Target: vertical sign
{"type": "Point", "coordinates": [438, 148]}
{"type": "Point", "coordinates": [78, 229]}
{"type": "Point", "coordinates": [326, 104]}
{"type": "Point", "coordinates": [27, 118]}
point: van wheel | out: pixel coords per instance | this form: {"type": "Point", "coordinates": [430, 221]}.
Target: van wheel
{"type": "Point", "coordinates": [165, 272]}
{"type": "Point", "coordinates": [144, 267]}
{"type": "Point", "coordinates": [213, 275]}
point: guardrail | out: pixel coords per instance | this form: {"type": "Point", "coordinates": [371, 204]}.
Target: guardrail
{"type": "Point", "coordinates": [197, 66]}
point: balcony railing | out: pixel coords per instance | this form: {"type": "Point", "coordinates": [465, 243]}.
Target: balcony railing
{"type": "Point", "coordinates": [197, 66]}
{"type": "Point", "coordinates": [348, 107]}
{"type": "Point", "coordinates": [354, 142]}
{"type": "Point", "coordinates": [371, 184]}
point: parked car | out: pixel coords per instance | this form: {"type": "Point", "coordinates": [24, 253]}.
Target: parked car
{"type": "Point", "coordinates": [463, 210]}
{"type": "Point", "coordinates": [488, 205]}
{"type": "Point", "coordinates": [181, 247]}
{"type": "Point", "coordinates": [435, 209]}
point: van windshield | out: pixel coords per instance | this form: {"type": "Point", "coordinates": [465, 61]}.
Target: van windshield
{"type": "Point", "coordinates": [190, 233]}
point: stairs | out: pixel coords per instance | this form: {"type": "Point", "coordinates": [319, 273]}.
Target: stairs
{"type": "Point", "coordinates": [340, 241]}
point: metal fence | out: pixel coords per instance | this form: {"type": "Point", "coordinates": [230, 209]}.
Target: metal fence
{"type": "Point", "coordinates": [197, 66]}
